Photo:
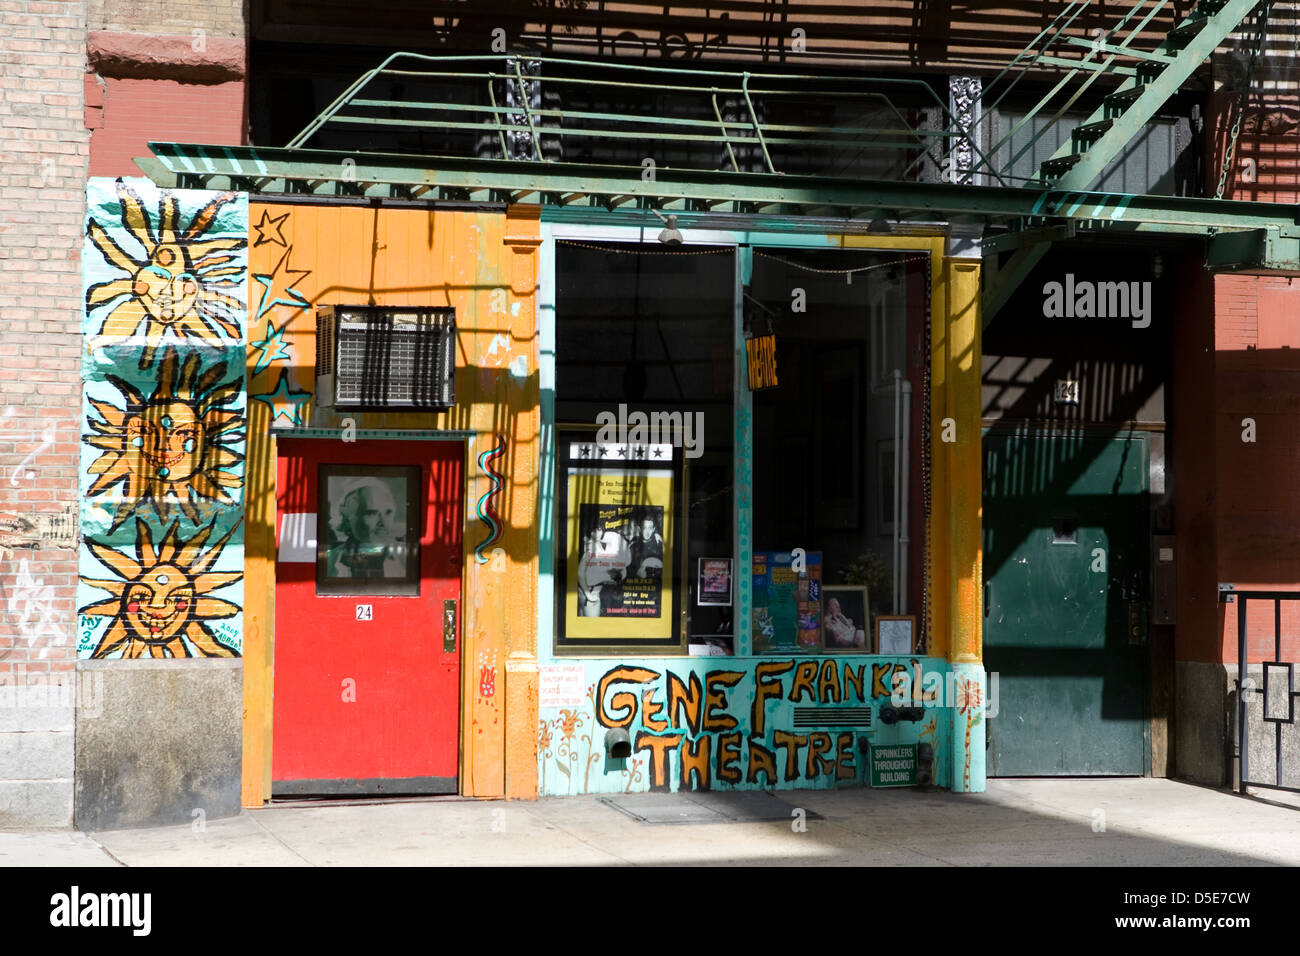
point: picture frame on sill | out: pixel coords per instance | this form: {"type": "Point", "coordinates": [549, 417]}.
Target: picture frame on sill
{"type": "Point", "coordinates": [895, 634]}
{"type": "Point", "coordinates": [846, 609]}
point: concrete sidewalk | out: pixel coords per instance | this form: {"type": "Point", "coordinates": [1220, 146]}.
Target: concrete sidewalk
{"type": "Point", "coordinates": [1046, 822]}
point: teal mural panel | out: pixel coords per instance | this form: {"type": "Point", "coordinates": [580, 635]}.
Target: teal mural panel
{"type": "Point", "coordinates": [734, 723]}
{"type": "Point", "coordinates": [165, 275]}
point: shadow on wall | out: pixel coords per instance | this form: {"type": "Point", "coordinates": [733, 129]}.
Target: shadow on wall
{"type": "Point", "coordinates": [1258, 520]}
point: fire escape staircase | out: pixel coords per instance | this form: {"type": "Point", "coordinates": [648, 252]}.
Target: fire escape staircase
{"type": "Point", "coordinates": [1150, 79]}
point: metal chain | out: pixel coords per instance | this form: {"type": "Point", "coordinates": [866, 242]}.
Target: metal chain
{"type": "Point", "coordinates": [1261, 32]}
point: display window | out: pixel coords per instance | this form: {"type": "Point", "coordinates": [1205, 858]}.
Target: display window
{"type": "Point", "coordinates": [672, 361]}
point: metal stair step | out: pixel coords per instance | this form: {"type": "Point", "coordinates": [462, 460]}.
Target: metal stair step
{"type": "Point", "coordinates": [1091, 132]}
{"type": "Point", "coordinates": [1055, 168]}
{"type": "Point", "coordinates": [1183, 34]}
{"type": "Point", "coordinates": [1120, 100]}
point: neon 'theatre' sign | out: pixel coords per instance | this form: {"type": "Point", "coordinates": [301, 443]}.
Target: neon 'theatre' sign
{"type": "Point", "coordinates": [760, 353]}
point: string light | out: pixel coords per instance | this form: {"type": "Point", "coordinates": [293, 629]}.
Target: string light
{"type": "Point", "coordinates": [646, 250]}
{"type": "Point", "coordinates": [838, 272]}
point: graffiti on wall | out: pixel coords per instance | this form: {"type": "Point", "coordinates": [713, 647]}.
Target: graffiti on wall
{"type": "Point", "coordinates": [163, 442]}
{"type": "Point", "coordinates": [174, 447]}
{"type": "Point", "coordinates": [274, 284]}
{"type": "Point", "coordinates": [729, 727]}
{"type": "Point", "coordinates": [161, 604]}
{"type": "Point", "coordinates": [177, 276]}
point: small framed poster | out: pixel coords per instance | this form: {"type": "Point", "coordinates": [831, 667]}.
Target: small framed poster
{"type": "Point", "coordinates": [714, 586]}
{"type": "Point", "coordinates": [787, 608]}
{"type": "Point", "coordinates": [844, 622]}
{"type": "Point", "coordinates": [895, 634]}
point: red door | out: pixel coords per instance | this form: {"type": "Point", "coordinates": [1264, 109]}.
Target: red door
{"type": "Point", "coordinates": [367, 617]}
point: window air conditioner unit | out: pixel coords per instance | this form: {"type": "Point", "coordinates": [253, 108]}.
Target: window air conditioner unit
{"type": "Point", "coordinates": [385, 358]}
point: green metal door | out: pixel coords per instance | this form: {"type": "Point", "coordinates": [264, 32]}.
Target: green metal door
{"type": "Point", "coordinates": [1065, 559]}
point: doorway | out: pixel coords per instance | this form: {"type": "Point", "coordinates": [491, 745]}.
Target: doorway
{"type": "Point", "coordinates": [1065, 558]}
{"type": "Point", "coordinates": [367, 617]}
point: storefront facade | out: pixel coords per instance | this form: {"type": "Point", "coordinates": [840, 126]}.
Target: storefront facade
{"type": "Point", "coordinates": [809, 359]}
{"type": "Point", "coordinates": [343, 689]}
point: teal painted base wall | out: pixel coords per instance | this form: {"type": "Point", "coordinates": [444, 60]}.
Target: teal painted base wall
{"type": "Point", "coordinates": [693, 725]}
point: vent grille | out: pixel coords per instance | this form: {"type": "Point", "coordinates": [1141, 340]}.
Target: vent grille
{"type": "Point", "coordinates": [832, 717]}
{"type": "Point", "coordinates": [388, 358]}
{"type": "Point", "coordinates": [325, 341]}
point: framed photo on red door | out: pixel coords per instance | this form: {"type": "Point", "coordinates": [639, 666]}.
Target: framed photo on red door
{"type": "Point", "coordinates": [370, 540]}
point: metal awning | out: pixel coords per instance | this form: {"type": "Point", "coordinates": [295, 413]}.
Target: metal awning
{"type": "Point", "coordinates": [1274, 228]}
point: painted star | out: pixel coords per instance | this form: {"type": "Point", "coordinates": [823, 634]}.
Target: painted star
{"type": "Point", "coordinates": [282, 393]}
{"type": "Point", "coordinates": [268, 222]}
{"type": "Point", "coordinates": [272, 346]}
{"type": "Point", "coordinates": [279, 286]}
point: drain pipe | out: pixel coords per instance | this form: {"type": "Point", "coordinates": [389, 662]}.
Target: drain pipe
{"type": "Point", "coordinates": [898, 464]}
{"type": "Point", "coordinates": [902, 479]}
{"type": "Point", "coordinates": [900, 515]}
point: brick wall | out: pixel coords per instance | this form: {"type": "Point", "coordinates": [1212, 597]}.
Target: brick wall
{"type": "Point", "coordinates": [221, 18]}
{"type": "Point", "coordinates": [170, 72]}
{"type": "Point", "coordinates": [136, 111]}
{"type": "Point", "coordinates": [1265, 165]}
{"type": "Point", "coordinates": [1257, 377]}
{"type": "Point", "coordinates": [44, 149]}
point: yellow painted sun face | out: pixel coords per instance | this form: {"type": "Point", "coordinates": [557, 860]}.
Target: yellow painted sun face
{"type": "Point", "coordinates": [181, 286]}
{"type": "Point", "coordinates": [159, 606]}
{"type": "Point", "coordinates": [162, 600]}
{"type": "Point", "coordinates": [169, 438]}
{"type": "Point", "coordinates": [172, 449]}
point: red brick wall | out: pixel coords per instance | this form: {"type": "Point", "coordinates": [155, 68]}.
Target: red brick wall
{"type": "Point", "coordinates": [136, 111]}
{"type": "Point", "coordinates": [1266, 159]}
{"type": "Point", "coordinates": [43, 144]}
{"type": "Point", "coordinates": [1257, 376]}
{"type": "Point", "coordinates": [1190, 454]}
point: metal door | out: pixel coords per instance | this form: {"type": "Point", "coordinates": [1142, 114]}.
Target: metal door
{"type": "Point", "coordinates": [367, 652]}
{"type": "Point", "coordinates": [1065, 564]}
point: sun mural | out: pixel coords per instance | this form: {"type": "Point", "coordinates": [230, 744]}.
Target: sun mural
{"type": "Point", "coordinates": [180, 286]}
{"type": "Point", "coordinates": [159, 606]}
{"type": "Point", "coordinates": [173, 448]}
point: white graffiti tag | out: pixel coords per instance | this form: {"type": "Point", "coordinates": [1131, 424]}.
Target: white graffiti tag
{"type": "Point", "coordinates": [33, 601]}
{"type": "Point", "coordinates": [22, 469]}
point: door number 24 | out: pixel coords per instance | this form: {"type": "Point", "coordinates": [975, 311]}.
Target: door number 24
{"type": "Point", "coordinates": [365, 612]}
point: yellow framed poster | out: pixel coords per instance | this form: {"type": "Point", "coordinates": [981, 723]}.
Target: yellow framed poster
{"type": "Point", "coordinates": [618, 569]}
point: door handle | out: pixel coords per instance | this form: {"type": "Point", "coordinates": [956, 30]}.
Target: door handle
{"type": "Point", "coordinates": [986, 599]}
{"type": "Point", "coordinates": [449, 626]}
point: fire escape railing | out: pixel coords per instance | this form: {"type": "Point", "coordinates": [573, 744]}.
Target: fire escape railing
{"type": "Point", "coordinates": [714, 113]}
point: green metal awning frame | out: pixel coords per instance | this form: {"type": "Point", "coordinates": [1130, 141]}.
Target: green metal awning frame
{"type": "Point", "coordinates": [1272, 240]}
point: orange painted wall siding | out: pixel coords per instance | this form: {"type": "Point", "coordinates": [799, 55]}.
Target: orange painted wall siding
{"type": "Point", "coordinates": [483, 265]}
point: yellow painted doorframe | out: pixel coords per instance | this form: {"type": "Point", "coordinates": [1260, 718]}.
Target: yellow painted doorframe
{"type": "Point", "coordinates": [954, 529]}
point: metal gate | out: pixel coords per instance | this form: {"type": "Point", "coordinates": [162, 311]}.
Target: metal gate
{"type": "Point", "coordinates": [1273, 705]}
